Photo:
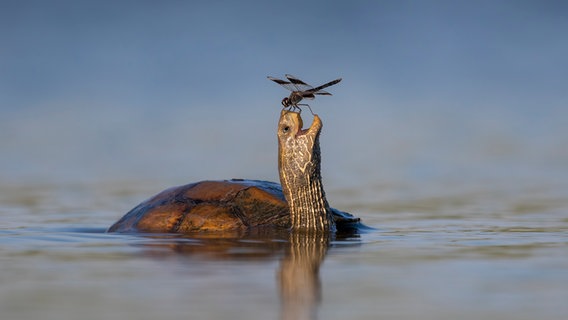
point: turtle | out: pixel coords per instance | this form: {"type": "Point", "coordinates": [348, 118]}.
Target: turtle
{"type": "Point", "coordinates": [298, 203]}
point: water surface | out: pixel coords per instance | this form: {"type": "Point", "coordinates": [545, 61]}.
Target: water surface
{"type": "Point", "coordinates": [436, 253]}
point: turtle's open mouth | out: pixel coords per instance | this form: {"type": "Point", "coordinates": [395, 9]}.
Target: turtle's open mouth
{"type": "Point", "coordinates": [314, 128]}
{"type": "Point", "coordinates": [302, 132]}
{"type": "Point", "coordinates": [291, 123]}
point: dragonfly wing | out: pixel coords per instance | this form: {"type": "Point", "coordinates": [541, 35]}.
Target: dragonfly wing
{"type": "Point", "coordinates": [299, 84]}
{"type": "Point", "coordinates": [285, 84]}
{"type": "Point", "coordinates": [323, 86]}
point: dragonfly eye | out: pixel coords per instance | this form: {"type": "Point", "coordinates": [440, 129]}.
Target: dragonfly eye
{"type": "Point", "coordinates": [285, 102]}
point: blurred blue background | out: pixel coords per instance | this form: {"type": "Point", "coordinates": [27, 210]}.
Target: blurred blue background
{"type": "Point", "coordinates": [177, 90]}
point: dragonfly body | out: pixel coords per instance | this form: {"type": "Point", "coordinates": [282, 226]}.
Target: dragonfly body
{"type": "Point", "coordinates": [301, 90]}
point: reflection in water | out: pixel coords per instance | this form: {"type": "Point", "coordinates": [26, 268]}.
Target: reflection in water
{"type": "Point", "coordinates": [298, 274]}
{"type": "Point", "coordinates": [300, 286]}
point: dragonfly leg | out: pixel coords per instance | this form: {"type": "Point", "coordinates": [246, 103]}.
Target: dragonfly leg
{"type": "Point", "coordinates": [306, 105]}
{"type": "Point", "coordinates": [291, 108]}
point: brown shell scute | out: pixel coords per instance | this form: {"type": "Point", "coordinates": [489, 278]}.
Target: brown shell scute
{"type": "Point", "coordinates": [211, 191]}
{"type": "Point", "coordinates": [209, 217]}
{"type": "Point", "coordinates": [259, 207]}
{"type": "Point", "coordinates": [160, 218]}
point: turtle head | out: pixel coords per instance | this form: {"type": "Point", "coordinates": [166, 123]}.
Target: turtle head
{"type": "Point", "coordinates": [298, 148]}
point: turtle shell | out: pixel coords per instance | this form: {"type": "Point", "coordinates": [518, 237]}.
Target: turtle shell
{"type": "Point", "coordinates": [215, 206]}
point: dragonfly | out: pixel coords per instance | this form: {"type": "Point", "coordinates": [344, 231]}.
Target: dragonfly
{"type": "Point", "coordinates": [301, 90]}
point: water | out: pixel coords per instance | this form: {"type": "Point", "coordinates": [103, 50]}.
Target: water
{"type": "Point", "coordinates": [436, 253]}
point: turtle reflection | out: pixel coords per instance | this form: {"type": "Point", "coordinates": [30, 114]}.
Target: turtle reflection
{"type": "Point", "coordinates": [300, 285]}
{"type": "Point", "coordinates": [298, 278]}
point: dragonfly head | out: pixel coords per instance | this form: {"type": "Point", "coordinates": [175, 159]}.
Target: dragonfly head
{"type": "Point", "coordinates": [286, 102]}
